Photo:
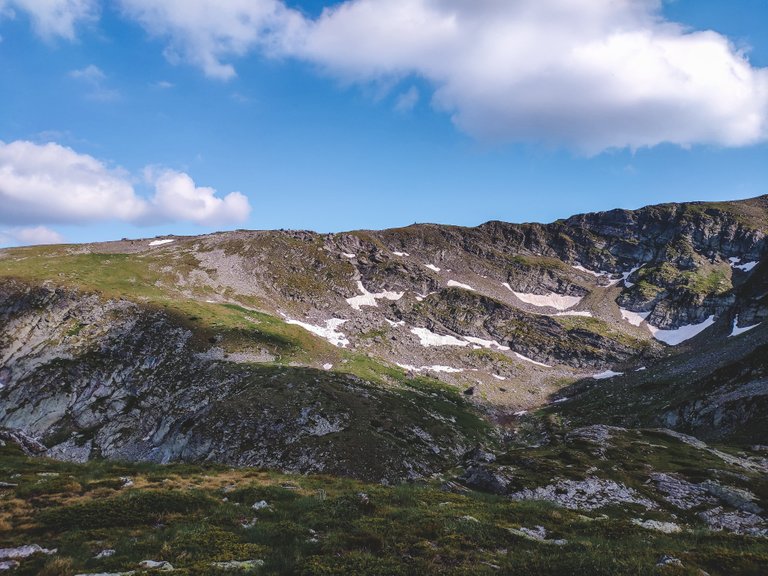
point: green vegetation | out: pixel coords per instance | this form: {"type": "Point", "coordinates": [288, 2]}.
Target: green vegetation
{"type": "Point", "coordinates": [194, 516]}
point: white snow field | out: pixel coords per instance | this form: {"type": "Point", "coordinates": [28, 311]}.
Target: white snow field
{"type": "Point", "coordinates": [550, 300]}
{"type": "Point", "coordinates": [429, 339]}
{"type": "Point", "coordinates": [680, 335]}
{"type": "Point", "coordinates": [454, 284]}
{"type": "Point", "coordinates": [634, 318]}
{"type": "Point", "coordinates": [738, 331]}
{"type": "Point", "coordinates": [607, 374]}
{"type": "Point", "coordinates": [369, 299]}
{"type": "Point", "coordinates": [443, 369]}
{"type": "Point", "coordinates": [328, 332]}
{"type": "Point", "coordinates": [531, 361]}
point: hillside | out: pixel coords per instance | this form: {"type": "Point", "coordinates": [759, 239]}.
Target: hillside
{"type": "Point", "coordinates": [525, 360]}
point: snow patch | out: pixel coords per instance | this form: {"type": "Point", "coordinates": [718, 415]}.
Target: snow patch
{"type": "Point", "coordinates": [443, 369]}
{"type": "Point", "coordinates": [429, 338]}
{"type": "Point", "coordinates": [626, 275]}
{"type": "Point", "coordinates": [737, 331]}
{"type": "Point", "coordinates": [393, 323]}
{"type": "Point", "coordinates": [369, 299]}
{"type": "Point", "coordinates": [454, 284]}
{"type": "Point", "coordinates": [348, 255]}
{"type": "Point", "coordinates": [679, 335]}
{"type": "Point", "coordinates": [551, 300]}
{"type": "Point", "coordinates": [607, 374]}
{"type": "Point", "coordinates": [329, 332]}
{"type": "Point", "coordinates": [746, 267]}
{"type": "Point", "coordinates": [489, 344]}
{"type": "Point", "coordinates": [501, 378]}
{"type": "Point", "coordinates": [432, 267]}
{"type": "Point", "coordinates": [401, 254]}
{"type": "Point", "coordinates": [160, 242]}
{"type": "Point", "coordinates": [634, 318]}
{"type": "Point", "coordinates": [526, 359]}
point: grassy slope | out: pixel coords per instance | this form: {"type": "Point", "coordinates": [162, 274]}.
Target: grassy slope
{"type": "Point", "coordinates": [193, 516]}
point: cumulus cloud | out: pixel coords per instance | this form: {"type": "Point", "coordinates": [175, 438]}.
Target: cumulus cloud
{"type": "Point", "coordinates": [587, 74]}
{"type": "Point", "coordinates": [30, 236]}
{"type": "Point", "coordinates": [51, 183]}
{"type": "Point", "coordinates": [591, 75]}
{"type": "Point", "coordinates": [54, 18]}
{"type": "Point", "coordinates": [178, 198]}
{"type": "Point", "coordinates": [206, 32]}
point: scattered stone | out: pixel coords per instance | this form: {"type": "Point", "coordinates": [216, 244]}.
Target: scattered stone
{"type": "Point", "coordinates": [479, 455]}
{"type": "Point", "coordinates": [598, 434]}
{"type": "Point", "coordinates": [734, 497]}
{"type": "Point", "coordinates": [238, 565]}
{"type": "Point", "coordinates": [260, 505]}
{"type": "Point", "coordinates": [669, 561]}
{"type": "Point", "coordinates": [537, 534]}
{"type": "Point", "coordinates": [48, 474]}
{"type": "Point", "coordinates": [23, 552]}
{"type": "Point", "coordinates": [470, 519]}
{"type": "Point", "coordinates": [71, 451]}
{"type": "Point", "coordinates": [28, 445]}
{"type": "Point", "coordinates": [8, 485]}
{"type": "Point", "coordinates": [589, 494]}
{"type": "Point", "coordinates": [9, 565]}
{"type": "Point", "coordinates": [162, 566]}
{"type": "Point", "coordinates": [130, 573]}
{"type": "Point", "coordinates": [108, 553]}
{"type": "Point", "coordinates": [469, 391]}
{"type": "Point", "coordinates": [681, 493]}
{"type": "Point", "coordinates": [486, 479]}
{"type": "Point", "coordinates": [738, 522]}
{"type": "Point", "coordinates": [127, 481]}
{"type": "Point", "coordinates": [656, 525]}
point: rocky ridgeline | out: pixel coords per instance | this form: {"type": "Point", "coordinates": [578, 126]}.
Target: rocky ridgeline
{"type": "Point", "coordinates": [181, 349]}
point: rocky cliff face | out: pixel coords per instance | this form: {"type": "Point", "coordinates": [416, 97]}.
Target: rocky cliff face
{"type": "Point", "coordinates": [105, 378]}
{"type": "Point", "coordinates": [378, 354]}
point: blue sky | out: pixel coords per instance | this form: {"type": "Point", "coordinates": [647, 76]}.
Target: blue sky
{"type": "Point", "coordinates": [118, 118]}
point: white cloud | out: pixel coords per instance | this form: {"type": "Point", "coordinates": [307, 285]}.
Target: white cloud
{"type": "Point", "coordinates": [95, 78]}
{"type": "Point", "coordinates": [178, 198]}
{"type": "Point", "coordinates": [51, 183]}
{"type": "Point", "coordinates": [54, 18]}
{"type": "Point", "coordinates": [407, 100]}
{"type": "Point", "coordinates": [90, 73]}
{"type": "Point", "coordinates": [590, 75]}
{"type": "Point", "coordinates": [30, 236]}
{"type": "Point", "coordinates": [205, 32]}
{"type": "Point", "coordinates": [587, 74]}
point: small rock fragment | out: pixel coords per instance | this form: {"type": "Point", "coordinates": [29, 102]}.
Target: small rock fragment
{"type": "Point", "coordinates": [162, 566]}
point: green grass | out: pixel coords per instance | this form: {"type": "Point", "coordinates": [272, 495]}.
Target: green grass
{"type": "Point", "coordinates": [192, 516]}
